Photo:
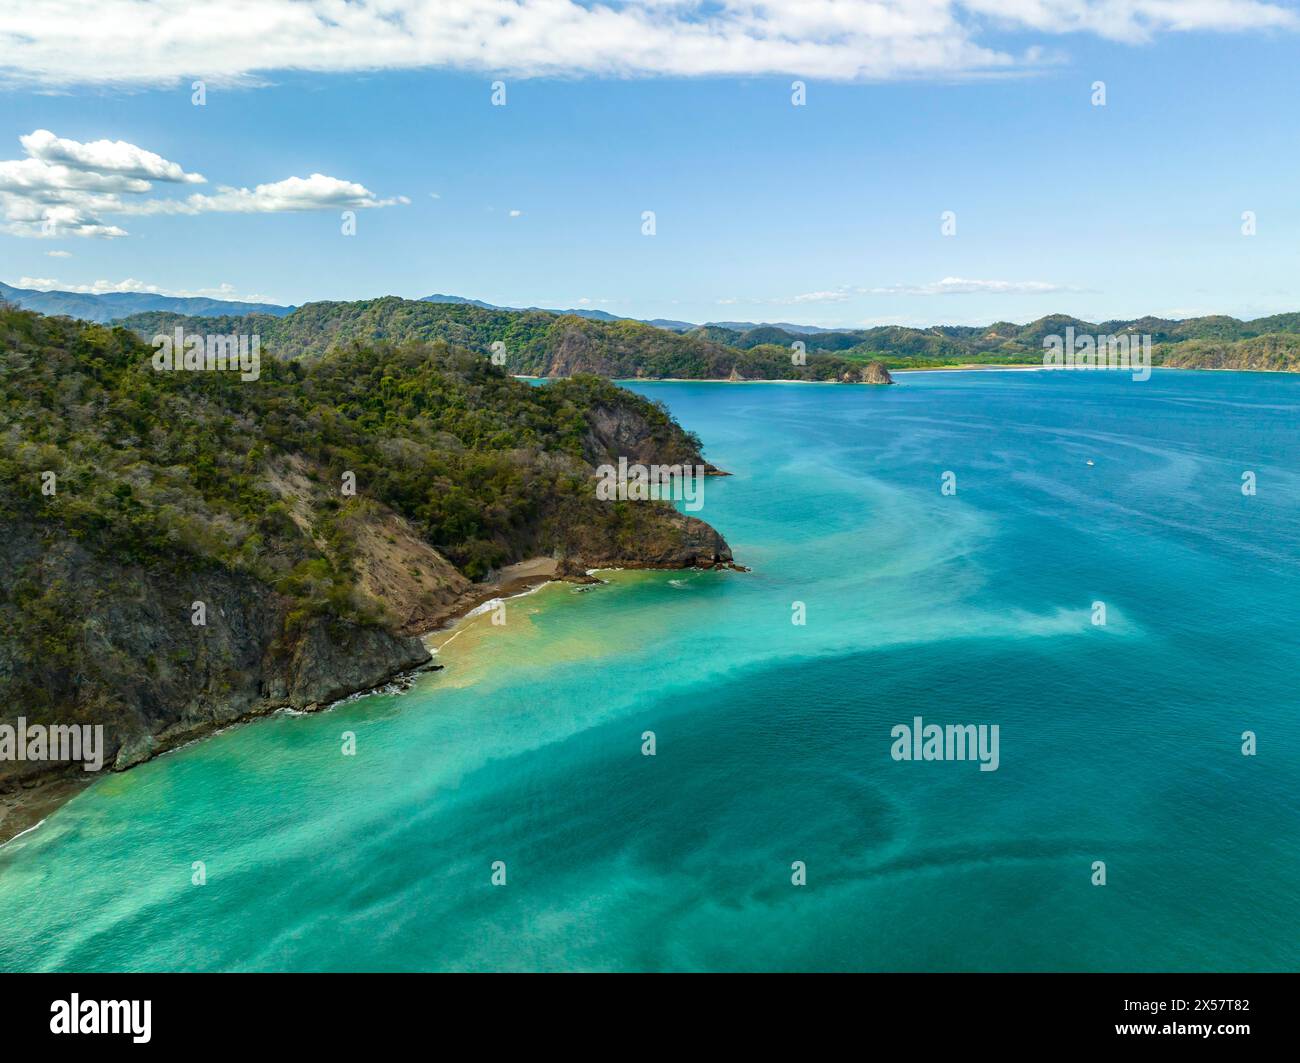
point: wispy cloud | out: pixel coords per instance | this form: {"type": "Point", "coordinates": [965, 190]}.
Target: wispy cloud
{"type": "Point", "coordinates": [835, 295]}
{"type": "Point", "coordinates": [965, 286]}
{"type": "Point", "coordinates": [135, 42]}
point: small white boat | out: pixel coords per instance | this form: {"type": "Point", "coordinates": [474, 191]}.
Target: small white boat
{"type": "Point", "coordinates": [1091, 462]}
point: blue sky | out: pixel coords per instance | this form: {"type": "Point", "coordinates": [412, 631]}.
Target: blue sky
{"type": "Point", "coordinates": [827, 213]}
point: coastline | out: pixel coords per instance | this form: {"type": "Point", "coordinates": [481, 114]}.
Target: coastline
{"type": "Point", "coordinates": [973, 367]}
{"type": "Point", "coordinates": [965, 367]}
{"type": "Point", "coordinates": [709, 380]}
{"type": "Point", "coordinates": [978, 367]}
{"type": "Point", "coordinates": [27, 807]}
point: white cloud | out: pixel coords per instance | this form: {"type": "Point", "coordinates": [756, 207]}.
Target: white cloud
{"type": "Point", "coordinates": [316, 192]}
{"type": "Point", "coordinates": [836, 295]}
{"type": "Point", "coordinates": [1134, 20]}
{"type": "Point", "coordinates": [515, 213]}
{"type": "Point", "coordinates": [105, 157]}
{"type": "Point", "coordinates": [55, 214]}
{"type": "Point", "coordinates": [35, 176]}
{"type": "Point", "coordinates": [154, 41]}
{"type": "Point", "coordinates": [65, 188]}
{"type": "Point", "coordinates": [59, 254]}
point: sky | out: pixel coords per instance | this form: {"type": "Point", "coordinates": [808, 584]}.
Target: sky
{"type": "Point", "coordinates": [828, 213]}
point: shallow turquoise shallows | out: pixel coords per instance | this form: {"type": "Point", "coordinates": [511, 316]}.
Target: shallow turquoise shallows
{"type": "Point", "coordinates": [1119, 743]}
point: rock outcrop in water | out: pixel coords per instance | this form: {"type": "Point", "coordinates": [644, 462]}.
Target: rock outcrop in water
{"type": "Point", "coordinates": [184, 550]}
{"type": "Point", "coordinates": [872, 373]}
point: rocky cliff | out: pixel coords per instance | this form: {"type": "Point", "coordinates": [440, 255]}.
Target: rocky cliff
{"type": "Point", "coordinates": [135, 660]}
{"type": "Point", "coordinates": [1274, 353]}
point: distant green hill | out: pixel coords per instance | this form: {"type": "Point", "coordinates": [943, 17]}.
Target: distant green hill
{"type": "Point", "coordinates": [111, 306]}
{"type": "Point", "coordinates": [547, 343]}
{"type": "Point", "coordinates": [1203, 342]}
{"type": "Point", "coordinates": [1275, 352]}
{"type": "Point", "coordinates": [535, 342]}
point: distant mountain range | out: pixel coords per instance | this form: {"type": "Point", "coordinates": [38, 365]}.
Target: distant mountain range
{"type": "Point", "coordinates": [551, 344]}
{"type": "Point", "coordinates": [658, 322]}
{"type": "Point", "coordinates": [111, 306]}
{"type": "Point", "coordinates": [532, 342]}
{"type": "Point", "coordinates": [563, 342]}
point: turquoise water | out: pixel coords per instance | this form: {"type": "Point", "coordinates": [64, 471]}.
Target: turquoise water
{"type": "Point", "coordinates": [1119, 743]}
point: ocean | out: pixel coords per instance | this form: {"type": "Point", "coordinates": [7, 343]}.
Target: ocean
{"type": "Point", "coordinates": [524, 760]}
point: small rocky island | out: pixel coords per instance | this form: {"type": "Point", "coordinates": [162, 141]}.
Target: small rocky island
{"type": "Point", "coordinates": [871, 373]}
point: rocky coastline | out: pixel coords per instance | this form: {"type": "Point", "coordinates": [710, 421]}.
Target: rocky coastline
{"type": "Point", "coordinates": [215, 554]}
{"type": "Point", "coordinates": [324, 667]}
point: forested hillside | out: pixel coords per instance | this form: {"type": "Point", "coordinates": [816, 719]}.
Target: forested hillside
{"type": "Point", "coordinates": [535, 343]}
{"type": "Point", "coordinates": [539, 343]}
{"type": "Point", "coordinates": [128, 495]}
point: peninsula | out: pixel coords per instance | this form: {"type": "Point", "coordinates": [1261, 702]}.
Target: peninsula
{"type": "Point", "coordinates": [184, 550]}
